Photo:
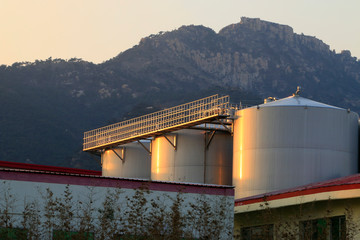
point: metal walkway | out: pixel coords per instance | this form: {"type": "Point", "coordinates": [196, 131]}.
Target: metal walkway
{"type": "Point", "coordinates": [171, 119]}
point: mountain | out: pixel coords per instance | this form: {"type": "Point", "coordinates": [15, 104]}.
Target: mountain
{"type": "Point", "coordinates": [47, 105]}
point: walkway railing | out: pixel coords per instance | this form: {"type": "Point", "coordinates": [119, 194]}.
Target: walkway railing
{"type": "Point", "coordinates": [196, 111]}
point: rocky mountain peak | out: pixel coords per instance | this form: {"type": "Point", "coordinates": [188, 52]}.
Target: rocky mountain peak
{"type": "Point", "coordinates": [269, 31]}
{"type": "Point", "coordinates": [258, 25]}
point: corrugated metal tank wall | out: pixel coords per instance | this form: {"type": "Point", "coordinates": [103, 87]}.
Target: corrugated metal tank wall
{"type": "Point", "coordinates": [291, 143]}
{"type": "Point", "coordinates": [136, 163]}
{"type": "Point", "coordinates": [191, 161]}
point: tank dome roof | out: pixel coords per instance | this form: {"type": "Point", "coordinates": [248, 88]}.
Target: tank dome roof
{"type": "Point", "coordinates": [297, 101]}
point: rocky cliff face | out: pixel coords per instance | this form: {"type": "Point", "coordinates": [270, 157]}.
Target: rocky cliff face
{"type": "Point", "coordinates": [48, 104]}
{"type": "Point", "coordinates": [253, 55]}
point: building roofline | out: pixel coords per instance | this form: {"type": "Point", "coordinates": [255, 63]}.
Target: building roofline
{"type": "Point", "coordinates": [37, 167]}
{"type": "Point", "coordinates": [100, 181]}
{"type": "Point", "coordinates": [339, 188]}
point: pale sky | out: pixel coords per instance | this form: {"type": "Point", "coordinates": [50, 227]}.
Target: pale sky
{"type": "Point", "coordinates": [97, 30]}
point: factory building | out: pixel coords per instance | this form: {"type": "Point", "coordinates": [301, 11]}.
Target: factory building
{"type": "Point", "coordinates": [323, 210]}
{"type": "Point", "coordinates": [41, 202]}
{"type": "Point", "coordinates": [277, 157]}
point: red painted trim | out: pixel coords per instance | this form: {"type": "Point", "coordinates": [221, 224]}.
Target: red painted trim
{"type": "Point", "coordinates": [298, 193]}
{"type": "Point", "coordinates": [28, 166]}
{"type": "Point", "coordinates": [59, 178]}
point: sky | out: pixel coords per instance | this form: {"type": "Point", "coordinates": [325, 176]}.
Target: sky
{"type": "Point", "coordinates": [97, 30]}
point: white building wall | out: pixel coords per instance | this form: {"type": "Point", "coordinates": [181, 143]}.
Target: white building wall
{"type": "Point", "coordinates": [19, 189]}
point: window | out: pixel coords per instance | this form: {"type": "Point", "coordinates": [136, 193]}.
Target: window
{"type": "Point", "coordinates": [323, 228]}
{"type": "Point", "coordinates": [63, 235]}
{"type": "Point", "coordinates": [13, 233]}
{"type": "Point", "coordinates": [338, 228]}
{"type": "Point", "coordinates": [263, 232]}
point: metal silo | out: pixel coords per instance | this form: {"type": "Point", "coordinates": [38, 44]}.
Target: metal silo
{"type": "Point", "coordinates": [191, 156]}
{"type": "Point", "coordinates": [127, 161]}
{"type": "Point", "coordinates": [291, 142]}
{"type": "Point", "coordinates": [218, 165]}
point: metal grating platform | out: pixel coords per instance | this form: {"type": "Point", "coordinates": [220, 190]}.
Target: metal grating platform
{"type": "Point", "coordinates": [186, 115]}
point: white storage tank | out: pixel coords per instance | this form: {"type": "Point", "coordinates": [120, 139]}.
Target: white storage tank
{"type": "Point", "coordinates": [291, 142]}
{"type": "Point", "coordinates": [183, 156]}
{"type": "Point", "coordinates": [130, 161]}
{"type": "Point", "coordinates": [218, 164]}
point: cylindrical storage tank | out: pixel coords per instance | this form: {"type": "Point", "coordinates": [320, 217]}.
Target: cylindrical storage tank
{"type": "Point", "coordinates": [292, 142]}
{"type": "Point", "coordinates": [135, 162]}
{"type": "Point", "coordinates": [218, 164]}
{"type": "Point", "coordinates": [183, 156]}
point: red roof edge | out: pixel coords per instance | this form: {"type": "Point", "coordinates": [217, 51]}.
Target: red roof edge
{"type": "Point", "coordinates": [37, 167]}
{"type": "Point", "coordinates": [337, 184]}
